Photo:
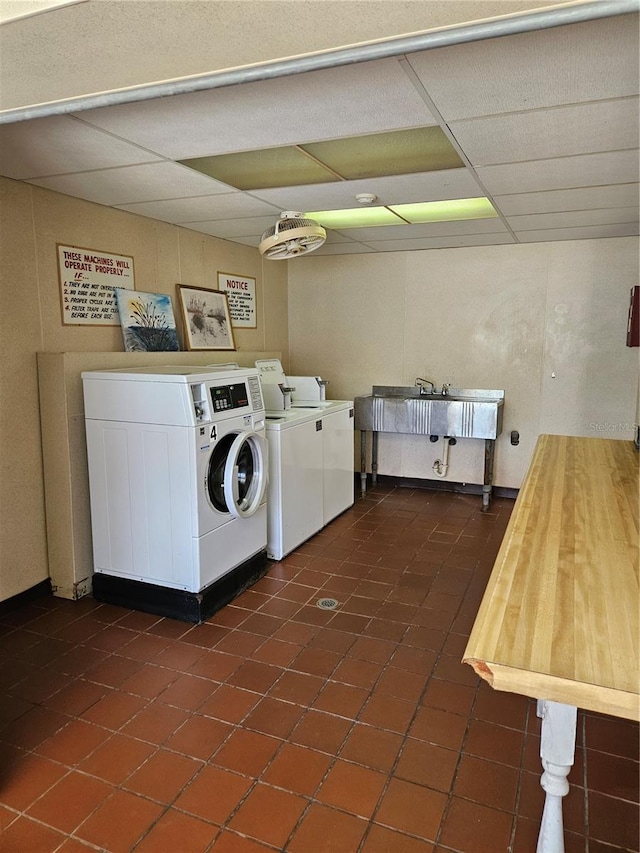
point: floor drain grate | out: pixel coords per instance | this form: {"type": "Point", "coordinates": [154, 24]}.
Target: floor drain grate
{"type": "Point", "coordinates": [326, 603]}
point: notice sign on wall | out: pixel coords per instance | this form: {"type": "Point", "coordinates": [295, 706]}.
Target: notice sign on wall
{"type": "Point", "coordinates": [88, 281]}
{"type": "Point", "coordinates": [241, 295]}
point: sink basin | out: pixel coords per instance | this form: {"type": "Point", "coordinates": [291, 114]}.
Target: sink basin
{"type": "Point", "coordinates": [403, 391]}
{"type": "Point", "coordinates": [461, 413]}
{"type": "Point", "coordinates": [411, 392]}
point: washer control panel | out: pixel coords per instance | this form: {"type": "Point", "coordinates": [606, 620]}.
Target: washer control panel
{"type": "Point", "coordinates": [227, 397]}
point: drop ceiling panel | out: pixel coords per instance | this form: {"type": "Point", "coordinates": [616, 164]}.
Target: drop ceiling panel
{"type": "Point", "coordinates": [571, 64]}
{"type": "Point", "coordinates": [338, 237]}
{"type": "Point", "coordinates": [335, 243]}
{"type": "Point", "coordinates": [203, 209]}
{"type": "Point", "coordinates": [592, 232]}
{"type": "Point", "coordinates": [267, 167]}
{"type": "Point", "coordinates": [374, 155]}
{"type": "Point", "coordinates": [427, 229]}
{"type": "Point", "coordinates": [60, 144]}
{"type": "Point", "coordinates": [561, 173]}
{"type": "Point", "coordinates": [319, 105]}
{"type": "Point", "coordinates": [244, 241]}
{"type": "Point", "coordinates": [342, 249]}
{"type": "Point", "coordinates": [379, 155]}
{"type": "Point", "coordinates": [249, 226]}
{"type": "Point", "coordinates": [618, 195]}
{"type": "Point", "coordinates": [545, 134]}
{"type": "Point", "coordinates": [396, 189]}
{"type": "Point", "coordinates": [133, 183]}
{"type": "Point", "coordinates": [450, 242]}
{"type": "Point", "coordinates": [573, 219]}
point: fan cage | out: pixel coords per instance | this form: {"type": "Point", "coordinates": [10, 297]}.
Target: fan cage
{"type": "Point", "coordinates": [288, 224]}
{"type": "Point", "coordinates": [291, 236]}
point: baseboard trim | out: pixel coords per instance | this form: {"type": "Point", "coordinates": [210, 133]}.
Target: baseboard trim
{"type": "Point", "coordinates": [40, 590]}
{"type": "Point", "coordinates": [438, 486]}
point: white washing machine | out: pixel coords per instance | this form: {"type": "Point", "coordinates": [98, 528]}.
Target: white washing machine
{"type": "Point", "coordinates": [178, 469]}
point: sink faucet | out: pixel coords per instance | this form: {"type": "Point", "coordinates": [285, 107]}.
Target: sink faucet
{"type": "Point", "coordinates": [422, 385]}
{"type": "Point", "coordinates": [445, 389]}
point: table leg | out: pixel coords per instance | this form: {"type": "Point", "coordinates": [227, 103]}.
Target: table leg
{"type": "Point", "coordinates": [557, 751]}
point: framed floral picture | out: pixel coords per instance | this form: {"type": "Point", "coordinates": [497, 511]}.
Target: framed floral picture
{"type": "Point", "coordinates": [147, 321]}
{"type": "Point", "coordinates": [205, 314]}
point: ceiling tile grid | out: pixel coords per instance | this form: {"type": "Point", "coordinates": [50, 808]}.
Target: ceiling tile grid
{"type": "Point", "coordinates": [544, 124]}
{"type": "Point", "coordinates": [578, 63]}
{"type": "Point", "coordinates": [574, 219]}
{"type": "Point", "coordinates": [330, 104]}
{"type": "Point", "coordinates": [202, 209]}
{"type": "Point", "coordinates": [545, 134]}
{"type": "Point", "coordinates": [394, 189]}
{"type": "Point", "coordinates": [593, 232]}
{"type": "Point", "coordinates": [585, 170]}
{"type": "Point", "coordinates": [129, 184]}
{"type": "Point", "coordinates": [427, 229]}
{"type": "Point", "coordinates": [581, 198]}
{"type": "Point", "coordinates": [344, 249]}
{"type": "Point", "coordinates": [59, 144]}
{"type": "Point", "coordinates": [451, 241]}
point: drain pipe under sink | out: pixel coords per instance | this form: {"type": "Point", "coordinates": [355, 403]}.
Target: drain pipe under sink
{"type": "Point", "coordinates": [441, 466]}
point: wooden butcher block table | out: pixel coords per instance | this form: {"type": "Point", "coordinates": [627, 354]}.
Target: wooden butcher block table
{"type": "Point", "coordinates": [559, 620]}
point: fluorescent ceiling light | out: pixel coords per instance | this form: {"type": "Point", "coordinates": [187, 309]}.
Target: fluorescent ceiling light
{"type": "Point", "coordinates": [443, 211]}
{"type": "Point", "coordinates": [356, 217]}
{"type": "Point", "coordinates": [403, 214]}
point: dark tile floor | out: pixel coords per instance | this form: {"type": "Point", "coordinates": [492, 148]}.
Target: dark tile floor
{"type": "Point", "coordinates": [278, 725]}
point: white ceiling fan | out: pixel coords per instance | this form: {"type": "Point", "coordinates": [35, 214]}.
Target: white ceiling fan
{"type": "Point", "coordinates": [291, 236]}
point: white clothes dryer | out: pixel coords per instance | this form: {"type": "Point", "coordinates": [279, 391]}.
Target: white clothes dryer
{"type": "Point", "coordinates": [178, 469]}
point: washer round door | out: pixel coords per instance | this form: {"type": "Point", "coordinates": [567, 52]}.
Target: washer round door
{"type": "Point", "coordinates": [237, 474]}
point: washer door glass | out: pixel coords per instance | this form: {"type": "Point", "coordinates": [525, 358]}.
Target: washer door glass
{"type": "Point", "coordinates": [236, 479]}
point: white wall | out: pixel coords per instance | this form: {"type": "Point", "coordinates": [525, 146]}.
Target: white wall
{"type": "Point", "coordinates": [487, 317]}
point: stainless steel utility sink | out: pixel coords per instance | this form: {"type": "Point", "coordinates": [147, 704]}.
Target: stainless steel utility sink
{"type": "Point", "coordinates": [461, 413]}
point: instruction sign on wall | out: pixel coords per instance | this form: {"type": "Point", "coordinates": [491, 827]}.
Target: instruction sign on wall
{"type": "Point", "coordinates": [88, 281]}
{"type": "Point", "coordinates": [241, 295]}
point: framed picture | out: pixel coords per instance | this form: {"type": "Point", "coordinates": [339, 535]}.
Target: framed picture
{"type": "Point", "coordinates": [205, 313]}
{"type": "Point", "coordinates": [147, 321]}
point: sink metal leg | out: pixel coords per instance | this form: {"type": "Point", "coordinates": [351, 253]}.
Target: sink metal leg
{"type": "Point", "coordinates": [374, 458]}
{"type": "Point", "coordinates": [489, 454]}
{"type": "Point", "coordinates": [363, 462]}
